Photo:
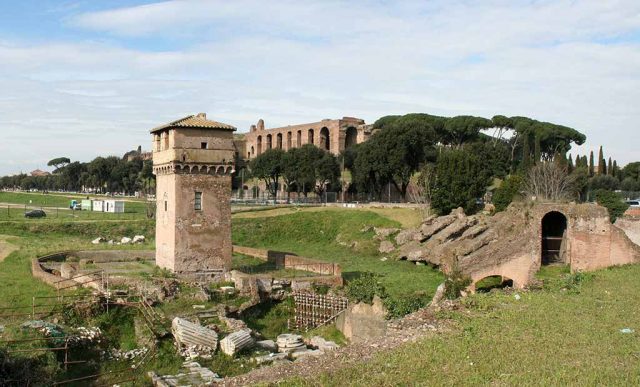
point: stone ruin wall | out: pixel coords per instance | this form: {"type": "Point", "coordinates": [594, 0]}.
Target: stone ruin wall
{"type": "Point", "coordinates": [337, 130]}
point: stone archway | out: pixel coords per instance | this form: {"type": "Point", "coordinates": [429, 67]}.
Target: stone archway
{"type": "Point", "coordinates": [310, 136]}
{"type": "Point", "coordinates": [553, 238]}
{"type": "Point", "coordinates": [269, 141]}
{"type": "Point", "coordinates": [351, 137]}
{"type": "Point", "coordinates": [325, 140]}
{"type": "Point", "coordinates": [279, 141]}
{"type": "Point", "coordinates": [259, 145]}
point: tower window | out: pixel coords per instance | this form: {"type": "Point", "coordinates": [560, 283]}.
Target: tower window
{"type": "Point", "coordinates": [203, 145]}
{"type": "Point", "coordinates": [165, 206]}
{"type": "Point", "coordinates": [198, 202]}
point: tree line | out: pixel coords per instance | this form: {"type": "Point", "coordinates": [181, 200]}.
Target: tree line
{"type": "Point", "coordinates": [101, 175]}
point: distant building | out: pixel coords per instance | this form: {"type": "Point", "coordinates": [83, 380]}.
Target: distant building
{"type": "Point", "coordinates": [138, 154]}
{"type": "Point", "coordinates": [39, 172]}
{"type": "Point", "coordinates": [331, 135]}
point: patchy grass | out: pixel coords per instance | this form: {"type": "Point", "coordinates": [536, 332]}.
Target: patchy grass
{"type": "Point", "coordinates": [550, 337]}
{"type": "Point", "coordinates": [62, 200]}
{"type": "Point", "coordinates": [270, 318]}
{"type": "Point", "coordinates": [327, 235]}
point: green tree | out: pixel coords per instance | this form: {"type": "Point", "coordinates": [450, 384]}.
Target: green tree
{"type": "Point", "coordinates": [507, 191]}
{"type": "Point", "coordinates": [268, 168]}
{"type": "Point", "coordinates": [58, 162]}
{"type": "Point", "coordinates": [614, 203]}
{"type": "Point", "coordinates": [591, 165]}
{"type": "Point", "coordinates": [602, 169]}
{"type": "Point", "coordinates": [610, 167]}
{"type": "Point", "coordinates": [605, 182]}
{"type": "Point", "coordinates": [459, 181]}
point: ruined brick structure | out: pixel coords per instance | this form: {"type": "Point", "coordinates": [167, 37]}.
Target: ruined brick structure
{"type": "Point", "coordinates": [193, 159]}
{"type": "Point", "coordinates": [579, 235]}
{"type": "Point", "coordinates": [331, 135]}
{"type": "Point", "coordinates": [514, 244]}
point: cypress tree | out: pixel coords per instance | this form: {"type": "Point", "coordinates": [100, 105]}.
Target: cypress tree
{"type": "Point", "coordinates": [536, 150]}
{"type": "Point", "coordinates": [584, 163]}
{"type": "Point", "coordinates": [610, 167]}
{"type": "Point", "coordinates": [570, 166]}
{"type": "Point", "coordinates": [591, 166]}
{"type": "Point", "coordinates": [614, 171]}
{"type": "Point", "coordinates": [601, 163]}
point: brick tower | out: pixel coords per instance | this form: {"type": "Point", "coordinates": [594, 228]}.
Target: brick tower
{"type": "Point", "coordinates": [193, 159]}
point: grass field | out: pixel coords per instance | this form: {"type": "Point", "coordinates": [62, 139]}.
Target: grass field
{"type": "Point", "coordinates": [327, 234]}
{"type": "Point", "coordinates": [548, 337]}
{"type": "Point", "coordinates": [17, 201]}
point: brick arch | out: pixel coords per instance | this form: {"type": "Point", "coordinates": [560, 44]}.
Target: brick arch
{"type": "Point", "coordinates": [553, 229]}
{"type": "Point", "coordinates": [325, 139]}
{"type": "Point", "coordinates": [259, 145]}
{"type": "Point", "coordinates": [351, 137]}
{"type": "Point", "coordinates": [310, 136]}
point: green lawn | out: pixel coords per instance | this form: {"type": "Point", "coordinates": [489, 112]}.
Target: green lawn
{"type": "Point", "coordinates": [61, 200]}
{"type": "Point", "coordinates": [327, 235]}
{"type": "Point", "coordinates": [548, 337]}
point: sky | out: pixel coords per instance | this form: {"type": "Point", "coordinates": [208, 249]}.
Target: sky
{"type": "Point", "coordinates": [87, 78]}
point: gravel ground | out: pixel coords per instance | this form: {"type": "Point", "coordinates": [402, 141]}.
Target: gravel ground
{"type": "Point", "coordinates": [408, 329]}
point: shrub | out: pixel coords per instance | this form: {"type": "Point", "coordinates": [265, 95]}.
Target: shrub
{"type": "Point", "coordinates": [455, 283]}
{"type": "Point", "coordinates": [506, 192]}
{"type": "Point", "coordinates": [364, 288]}
{"type": "Point", "coordinates": [612, 202]}
{"type": "Point", "coordinates": [398, 307]}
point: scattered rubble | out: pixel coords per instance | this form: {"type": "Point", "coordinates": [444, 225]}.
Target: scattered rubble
{"type": "Point", "coordinates": [83, 336]}
{"type": "Point", "coordinates": [98, 240]}
{"type": "Point", "coordinates": [193, 374]}
{"type": "Point", "coordinates": [383, 233]}
{"type": "Point", "coordinates": [236, 342]}
{"type": "Point", "coordinates": [271, 357]}
{"type": "Point", "coordinates": [188, 334]}
{"type": "Point", "coordinates": [233, 324]}
{"type": "Point", "coordinates": [386, 247]}
{"type": "Point", "coordinates": [288, 342]}
{"type": "Point", "coordinates": [323, 345]}
{"type": "Point", "coordinates": [138, 239]}
{"type": "Point", "coordinates": [118, 354]}
{"type": "Point", "coordinates": [125, 240]}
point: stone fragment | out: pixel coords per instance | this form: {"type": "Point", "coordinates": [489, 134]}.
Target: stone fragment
{"type": "Point", "coordinates": [306, 353]}
{"type": "Point", "coordinates": [382, 233]}
{"type": "Point", "coordinates": [138, 239]}
{"type": "Point", "coordinates": [405, 236]}
{"type": "Point", "coordinates": [429, 229]}
{"type": "Point", "coordinates": [98, 240]}
{"type": "Point", "coordinates": [289, 342]}
{"type": "Point", "coordinates": [67, 270]}
{"type": "Point", "coordinates": [236, 342]}
{"type": "Point", "coordinates": [125, 240]}
{"type": "Point", "coordinates": [187, 333]}
{"type": "Point", "coordinates": [386, 247]}
{"type": "Point", "coordinates": [323, 345]}
{"type": "Point", "coordinates": [439, 295]}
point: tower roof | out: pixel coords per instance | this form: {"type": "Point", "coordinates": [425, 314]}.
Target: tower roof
{"type": "Point", "coordinates": [196, 121]}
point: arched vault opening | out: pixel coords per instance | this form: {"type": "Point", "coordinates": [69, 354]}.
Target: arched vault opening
{"type": "Point", "coordinates": [553, 238]}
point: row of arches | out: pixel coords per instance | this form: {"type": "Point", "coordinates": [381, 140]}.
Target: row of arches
{"type": "Point", "coordinates": [324, 140]}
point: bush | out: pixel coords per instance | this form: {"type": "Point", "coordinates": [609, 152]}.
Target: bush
{"type": "Point", "coordinates": [612, 202]}
{"type": "Point", "coordinates": [455, 283]}
{"type": "Point", "coordinates": [364, 288]}
{"type": "Point", "coordinates": [400, 307]}
{"type": "Point", "coordinates": [506, 192]}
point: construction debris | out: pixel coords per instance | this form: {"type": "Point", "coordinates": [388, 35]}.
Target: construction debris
{"type": "Point", "coordinates": [323, 345]}
{"type": "Point", "coordinates": [193, 374]}
{"type": "Point", "coordinates": [188, 334]}
{"type": "Point", "coordinates": [288, 342]}
{"type": "Point", "coordinates": [236, 342]}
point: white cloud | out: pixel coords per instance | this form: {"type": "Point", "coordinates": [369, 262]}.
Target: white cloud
{"type": "Point", "coordinates": [291, 62]}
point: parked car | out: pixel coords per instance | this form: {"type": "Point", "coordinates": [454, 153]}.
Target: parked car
{"type": "Point", "coordinates": [634, 203]}
{"type": "Point", "coordinates": [35, 214]}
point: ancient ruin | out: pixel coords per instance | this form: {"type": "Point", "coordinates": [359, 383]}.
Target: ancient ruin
{"type": "Point", "coordinates": [331, 135]}
{"type": "Point", "coordinates": [193, 159]}
{"type": "Point", "coordinates": [514, 244]}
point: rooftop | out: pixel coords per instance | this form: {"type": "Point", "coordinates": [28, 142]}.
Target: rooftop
{"type": "Point", "coordinates": [198, 121]}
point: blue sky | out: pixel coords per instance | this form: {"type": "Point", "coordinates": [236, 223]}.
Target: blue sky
{"type": "Point", "coordinates": [88, 78]}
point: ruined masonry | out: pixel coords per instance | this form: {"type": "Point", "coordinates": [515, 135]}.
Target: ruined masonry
{"type": "Point", "coordinates": [514, 244]}
{"type": "Point", "coordinates": [193, 159]}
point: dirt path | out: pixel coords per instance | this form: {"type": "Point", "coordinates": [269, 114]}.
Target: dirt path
{"type": "Point", "coordinates": [411, 328]}
{"type": "Point", "coordinates": [6, 248]}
